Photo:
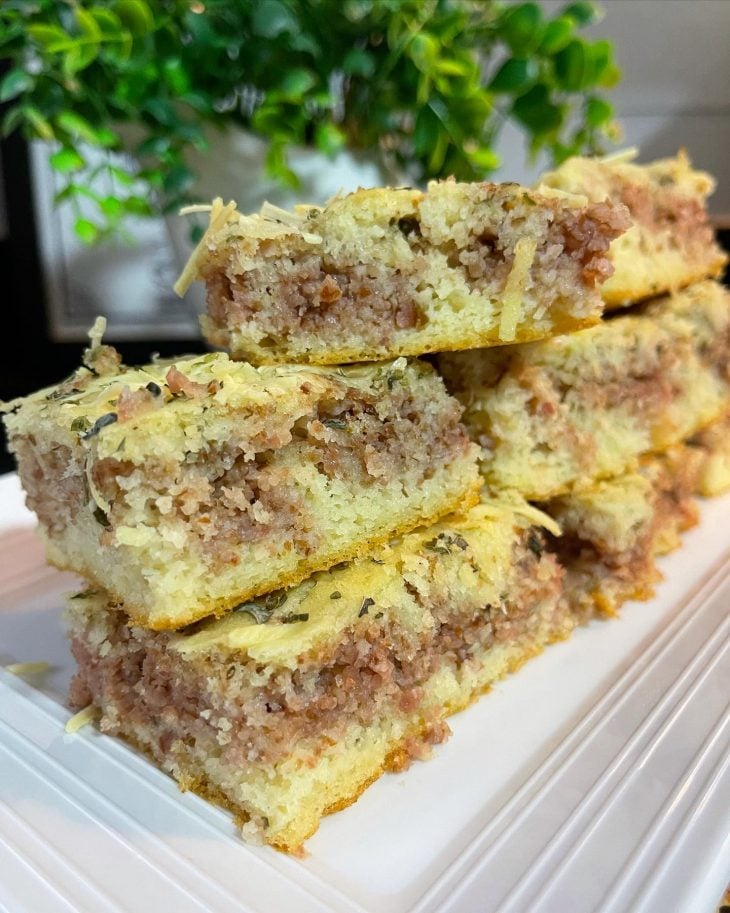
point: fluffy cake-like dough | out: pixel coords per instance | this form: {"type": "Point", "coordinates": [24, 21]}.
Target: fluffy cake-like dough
{"type": "Point", "coordinates": [613, 530]}
{"type": "Point", "coordinates": [186, 487]}
{"type": "Point", "coordinates": [713, 445]}
{"type": "Point", "coordinates": [349, 674]}
{"type": "Point", "coordinates": [670, 244]}
{"type": "Point", "coordinates": [381, 273]}
{"type": "Point", "coordinates": [555, 414]}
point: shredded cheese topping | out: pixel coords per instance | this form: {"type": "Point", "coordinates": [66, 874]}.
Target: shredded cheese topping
{"type": "Point", "coordinates": [96, 496]}
{"type": "Point", "coordinates": [81, 719]}
{"type": "Point", "coordinates": [270, 222]}
{"type": "Point", "coordinates": [514, 288]}
{"type": "Point", "coordinates": [622, 155]}
{"type": "Point", "coordinates": [219, 216]}
{"type": "Point", "coordinates": [97, 331]}
{"type": "Point", "coordinates": [515, 504]}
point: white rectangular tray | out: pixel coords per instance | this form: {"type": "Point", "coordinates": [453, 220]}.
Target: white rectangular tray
{"type": "Point", "coordinates": [598, 778]}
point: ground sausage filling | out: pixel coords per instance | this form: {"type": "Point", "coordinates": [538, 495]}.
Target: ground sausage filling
{"type": "Point", "coordinates": [223, 705]}
{"type": "Point", "coordinates": [226, 495]}
{"type": "Point", "coordinates": [285, 296]}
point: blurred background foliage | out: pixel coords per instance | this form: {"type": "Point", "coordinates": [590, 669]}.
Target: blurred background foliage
{"type": "Point", "coordinates": [426, 85]}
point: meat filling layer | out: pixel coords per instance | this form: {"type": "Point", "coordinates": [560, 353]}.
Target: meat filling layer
{"type": "Point", "coordinates": [286, 295]}
{"type": "Point", "coordinates": [227, 495]}
{"type": "Point", "coordinates": [223, 705]}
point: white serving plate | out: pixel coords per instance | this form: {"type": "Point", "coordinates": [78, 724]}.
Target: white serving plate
{"type": "Point", "coordinates": [598, 778]}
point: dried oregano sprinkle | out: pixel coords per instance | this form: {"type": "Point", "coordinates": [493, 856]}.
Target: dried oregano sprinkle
{"type": "Point", "coordinates": [365, 607]}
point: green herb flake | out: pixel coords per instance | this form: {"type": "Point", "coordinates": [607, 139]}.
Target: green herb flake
{"type": "Point", "coordinates": [379, 615]}
{"type": "Point", "coordinates": [275, 600]}
{"type": "Point", "coordinates": [336, 595]}
{"type": "Point", "coordinates": [257, 610]}
{"type": "Point", "coordinates": [365, 607]}
{"type": "Point", "coordinates": [231, 671]}
{"type": "Point", "coordinates": [438, 545]}
{"type": "Point", "coordinates": [80, 423]}
{"type": "Point", "coordinates": [294, 617]}
{"type": "Point", "coordinates": [337, 424]}
{"type": "Point", "coordinates": [102, 422]}
{"type": "Point", "coordinates": [535, 544]}
{"type": "Point", "coordinates": [153, 388]}
{"type": "Point", "coordinates": [101, 517]}
{"type": "Point", "coordinates": [408, 226]}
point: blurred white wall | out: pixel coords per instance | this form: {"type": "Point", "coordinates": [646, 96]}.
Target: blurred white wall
{"type": "Point", "coordinates": [675, 56]}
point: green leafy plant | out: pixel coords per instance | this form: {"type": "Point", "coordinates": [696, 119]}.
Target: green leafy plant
{"type": "Point", "coordinates": [427, 84]}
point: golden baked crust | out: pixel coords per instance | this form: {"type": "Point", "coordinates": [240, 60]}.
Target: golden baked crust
{"type": "Point", "coordinates": [380, 273]}
{"type": "Point", "coordinates": [713, 446]}
{"type": "Point", "coordinates": [186, 487]}
{"type": "Point", "coordinates": [670, 244]}
{"type": "Point", "coordinates": [554, 414]}
{"type": "Point", "coordinates": [288, 709]}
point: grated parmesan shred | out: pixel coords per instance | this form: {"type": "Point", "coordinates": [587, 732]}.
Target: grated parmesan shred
{"type": "Point", "coordinates": [514, 288]}
{"type": "Point", "coordinates": [515, 505]}
{"type": "Point", "coordinates": [81, 719]}
{"type": "Point", "coordinates": [219, 217]}
{"type": "Point", "coordinates": [96, 496]}
{"type": "Point", "coordinates": [271, 222]}
{"type": "Point", "coordinates": [621, 155]}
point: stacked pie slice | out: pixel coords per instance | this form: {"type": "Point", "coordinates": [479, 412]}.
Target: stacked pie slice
{"type": "Point", "coordinates": [298, 566]}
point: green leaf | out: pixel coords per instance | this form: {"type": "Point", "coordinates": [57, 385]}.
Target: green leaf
{"type": "Point", "coordinates": [111, 207]}
{"type": "Point", "coordinates": [88, 26]}
{"type": "Point", "coordinates": [78, 127]}
{"type": "Point", "coordinates": [329, 139]}
{"type": "Point", "coordinates": [572, 66]}
{"type": "Point", "coordinates": [278, 167]}
{"type": "Point", "coordinates": [175, 75]}
{"type": "Point", "coordinates": [451, 66]}
{"type": "Point", "coordinates": [118, 174]}
{"type": "Point", "coordinates": [358, 63]}
{"type": "Point", "coordinates": [297, 82]}
{"type": "Point", "coordinates": [162, 110]}
{"type": "Point", "coordinates": [484, 159]}
{"type": "Point", "coordinates": [14, 83]}
{"type": "Point", "coordinates": [582, 12]}
{"type": "Point", "coordinates": [136, 16]}
{"type": "Point", "coordinates": [12, 120]}
{"type": "Point", "coordinates": [107, 138]}
{"type": "Point", "coordinates": [155, 146]}
{"type": "Point", "coordinates": [38, 122]}
{"type": "Point", "coordinates": [556, 35]}
{"type": "Point", "coordinates": [424, 51]}
{"type": "Point", "coordinates": [51, 38]}
{"type": "Point", "coordinates": [271, 18]}
{"type": "Point", "coordinates": [137, 206]}
{"type": "Point", "coordinates": [600, 55]}
{"type": "Point", "coordinates": [537, 112]}
{"type": "Point", "coordinates": [66, 160]}
{"type": "Point", "coordinates": [86, 231]}
{"type": "Point", "coordinates": [79, 57]}
{"type": "Point", "coordinates": [522, 28]}
{"type": "Point", "coordinates": [108, 23]}
{"type": "Point", "coordinates": [177, 180]}
{"type": "Point", "coordinates": [426, 131]}
{"type": "Point", "coordinates": [514, 74]}
{"type": "Point", "coordinates": [68, 191]}
{"type": "Point", "coordinates": [598, 112]}
{"type": "Point", "coordinates": [611, 77]}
